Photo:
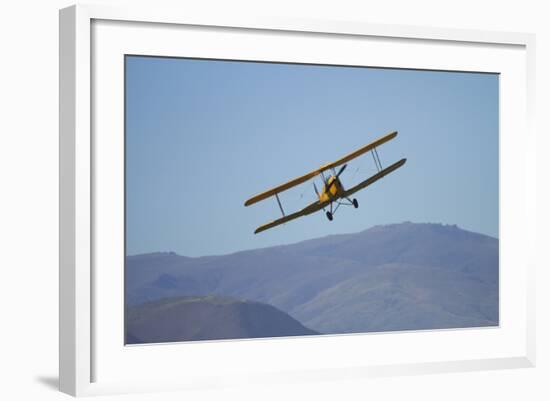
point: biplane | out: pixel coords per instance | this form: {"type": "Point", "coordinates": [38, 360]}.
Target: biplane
{"type": "Point", "coordinates": [333, 191]}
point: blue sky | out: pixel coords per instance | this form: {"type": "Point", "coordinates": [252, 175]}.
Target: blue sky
{"type": "Point", "coordinates": [202, 136]}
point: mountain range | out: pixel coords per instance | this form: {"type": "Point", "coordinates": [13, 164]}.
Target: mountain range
{"type": "Point", "coordinates": [406, 276]}
{"type": "Point", "coordinates": [212, 317]}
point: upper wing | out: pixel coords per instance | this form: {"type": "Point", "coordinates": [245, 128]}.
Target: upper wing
{"type": "Point", "coordinates": [360, 151]}
{"type": "Point", "coordinates": [306, 177]}
{"type": "Point", "coordinates": [311, 208]}
{"type": "Point", "coordinates": [280, 188]}
{"type": "Point", "coordinates": [374, 178]}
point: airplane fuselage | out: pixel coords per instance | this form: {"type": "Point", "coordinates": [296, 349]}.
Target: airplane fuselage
{"type": "Point", "coordinates": [332, 190]}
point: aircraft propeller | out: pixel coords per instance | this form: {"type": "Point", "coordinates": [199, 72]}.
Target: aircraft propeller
{"type": "Point", "coordinates": [316, 190]}
{"type": "Point", "coordinates": [341, 170]}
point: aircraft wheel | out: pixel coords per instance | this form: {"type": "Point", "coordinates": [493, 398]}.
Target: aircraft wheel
{"type": "Point", "coordinates": [329, 216]}
{"type": "Point", "coordinates": [355, 203]}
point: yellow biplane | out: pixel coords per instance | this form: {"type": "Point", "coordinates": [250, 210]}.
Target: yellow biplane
{"type": "Point", "coordinates": [333, 190]}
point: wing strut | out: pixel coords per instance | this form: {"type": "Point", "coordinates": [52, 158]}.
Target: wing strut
{"type": "Point", "coordinates": [376, 158]}
{"type": "Point", "coordinates": [280, 206]}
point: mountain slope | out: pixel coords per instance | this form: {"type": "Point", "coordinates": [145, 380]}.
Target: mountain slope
{"type": "Point", "coordinates": [400, 276]}
{"type": "Point", "coordinates": [207, 318]}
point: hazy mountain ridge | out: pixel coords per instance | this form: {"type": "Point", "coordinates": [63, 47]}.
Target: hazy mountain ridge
{"type": "Point", "coordinates": [207, 318]}
{"type": "Point", "coordinates": [400, 276]}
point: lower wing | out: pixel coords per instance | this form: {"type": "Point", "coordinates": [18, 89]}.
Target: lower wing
{"type": "Point", "coordinates": [374, 178]}
{"type": "Point", "coordinates": [316, 206]}
{"type": "Point", "coordinates": [311, 208]}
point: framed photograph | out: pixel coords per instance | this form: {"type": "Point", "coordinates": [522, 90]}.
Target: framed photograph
{"type": "Point", "coordinates": [278, 200]}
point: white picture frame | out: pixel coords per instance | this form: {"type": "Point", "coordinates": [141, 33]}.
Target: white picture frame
{"type": "Point", "coordinates": [80, 313]}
